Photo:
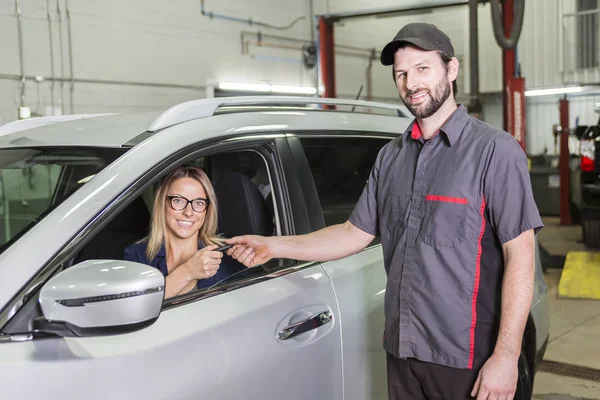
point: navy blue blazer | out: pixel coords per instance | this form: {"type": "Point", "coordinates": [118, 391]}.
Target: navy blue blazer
{"type": "Point", "coordinates": [137, 252]}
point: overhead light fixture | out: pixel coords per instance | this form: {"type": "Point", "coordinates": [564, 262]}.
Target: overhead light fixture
{"type": "Point", "coordinates": [24, 112]}
{"type": "Point", "coordinates": [245, 87]}
{"type": "Point", "coordinates": [266, 88]}
{"type": "Point", "coordinates": [293, 89]}
{"type": "Point", "coordinates": [553, 91]}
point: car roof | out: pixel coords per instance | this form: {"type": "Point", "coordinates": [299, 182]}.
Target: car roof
{"type": "Point", "coordinates": [118, 130]}
{"type": "Point", "coordinates": [94, 131]}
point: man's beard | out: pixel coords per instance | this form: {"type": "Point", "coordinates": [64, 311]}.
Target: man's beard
{"type": "Point", "coordinates": [437, 98]}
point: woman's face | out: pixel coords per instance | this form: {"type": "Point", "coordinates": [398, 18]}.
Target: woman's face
{"type": "Point", "coordinates": [183, 218]}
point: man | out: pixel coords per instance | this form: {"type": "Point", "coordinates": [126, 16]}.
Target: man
{"type": "Point", "coordinates": [452, 202]}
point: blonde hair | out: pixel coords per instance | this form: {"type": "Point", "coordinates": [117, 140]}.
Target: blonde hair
{"type": "Point", "coordinates": [207, 233]}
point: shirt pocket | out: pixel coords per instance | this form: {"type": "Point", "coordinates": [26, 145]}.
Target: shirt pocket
{"type": "Point", "coordinates": [444, 220]}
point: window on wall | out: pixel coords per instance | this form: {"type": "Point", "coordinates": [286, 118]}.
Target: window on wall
{"type": "Point", "coordinates": [587, 34]}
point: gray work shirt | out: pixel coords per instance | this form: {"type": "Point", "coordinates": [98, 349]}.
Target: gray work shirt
{"type": "Point", "coordinates": [443, 209]}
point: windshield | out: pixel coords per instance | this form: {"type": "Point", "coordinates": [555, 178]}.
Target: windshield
{"type": "Point", "coordinates": [33, 181]}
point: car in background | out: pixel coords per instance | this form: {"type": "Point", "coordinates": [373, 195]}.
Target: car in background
{"type": "Point", "coordinates": [76, 321]}
{"type": "Point", "coordinates": [589, 167]}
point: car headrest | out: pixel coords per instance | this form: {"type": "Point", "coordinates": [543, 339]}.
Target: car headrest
{"type": "Point", "coordinates": [242, 209]}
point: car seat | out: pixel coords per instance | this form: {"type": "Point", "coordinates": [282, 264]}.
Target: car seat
{"type": "Point", "coordinates": [129, 226]}
{"type": "Point", "coordinates": [242, 208]}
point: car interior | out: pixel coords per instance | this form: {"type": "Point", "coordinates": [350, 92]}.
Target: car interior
{"type": "Point", "coordinates": [243, 209]}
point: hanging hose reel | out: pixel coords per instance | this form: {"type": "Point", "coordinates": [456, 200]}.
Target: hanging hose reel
{"type": "Point", "coordinates": [498, 26]}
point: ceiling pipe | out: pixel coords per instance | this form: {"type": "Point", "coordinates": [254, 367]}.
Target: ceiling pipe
{"type": "Point", "coordinates": [62, 59]}
{"type": "Point", "coordinates": [248, 21]}
{"type": "Point", "coordinates": [474, 106]}
{"type": "Point", "coordinates": [21, 55]}
{"type": "Point", "coordinates": [13, 77]}
{"type": "Point", "coordinates": [70, 39]}
{"type": "Point", "coordinates": [259, 36]}
{"type": "Point", "coordinates": [392, 11]}
{"type": "Point", "coordinates": [51, 55]}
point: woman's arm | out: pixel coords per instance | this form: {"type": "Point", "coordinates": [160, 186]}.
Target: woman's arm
{"type": "Point", "coordinates": [203, 264]}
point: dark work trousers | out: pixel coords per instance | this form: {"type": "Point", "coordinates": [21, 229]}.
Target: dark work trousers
{"type": "Point", "coordinates": [411, 379]}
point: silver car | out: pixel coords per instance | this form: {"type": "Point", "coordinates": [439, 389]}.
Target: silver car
{"type": "Point", "coordinates": [77, 321]}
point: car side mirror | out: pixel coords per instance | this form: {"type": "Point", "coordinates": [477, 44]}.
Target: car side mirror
{"type": "Point", "coordinates": [101, 297]}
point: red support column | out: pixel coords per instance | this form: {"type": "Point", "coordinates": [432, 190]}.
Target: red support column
{"type": "Point", "coordinates": [565, 189]}
{"type": "Point", "coordinates": [508, 59]}
{"type": "Point", "coordinates": [515, 103]}
{"type": "Point", "coordinates": [327, 55]}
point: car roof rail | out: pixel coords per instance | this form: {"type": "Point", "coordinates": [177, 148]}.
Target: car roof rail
{"type": "Point", "coordinates": [30, 123]}
{"type": "Point", "coordinates": [203, 108]}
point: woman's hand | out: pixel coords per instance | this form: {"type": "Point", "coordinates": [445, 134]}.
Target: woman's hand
{"type": "Point", "coordinates": [204, 263]}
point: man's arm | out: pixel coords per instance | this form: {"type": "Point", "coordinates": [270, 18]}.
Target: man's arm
{"type": "Point", "coordinates": [498, 377]}
{"type": "Point", "coordinates": [331, 243]}
{"type": "Point", "coordinates": [517, 292]}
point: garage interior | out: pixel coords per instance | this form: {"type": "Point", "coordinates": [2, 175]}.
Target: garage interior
{"type": "Point", "coordinates": [530, 67]}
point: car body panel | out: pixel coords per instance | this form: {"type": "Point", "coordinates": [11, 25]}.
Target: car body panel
{"type": "Point", "coordinates": [100, 131]}
{"type": "Point", "coordinates": [222, 347]}
{"type": "Point", "coordinates": [359, 282]}
{"type": "Point", "coordinates": [540, 305]}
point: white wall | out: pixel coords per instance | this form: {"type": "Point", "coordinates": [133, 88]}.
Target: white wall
{"type": "Point", "coordinates": [156, 42]}
{"type": "Point", "coordinates": [150, 41]}
{"type": "Point", "coordinates": [140, 41]}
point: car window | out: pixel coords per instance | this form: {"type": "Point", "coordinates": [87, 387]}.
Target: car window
{"type": "Point", "coordinates": [33, 181]}
{"type": "Point", "coordinates": [246, 205]}
{"type": "Point", "coordinates": [340, 167]}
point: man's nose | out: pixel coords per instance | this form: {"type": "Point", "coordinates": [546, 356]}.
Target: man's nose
{"type": "Point", "coordinates": [411, 82]}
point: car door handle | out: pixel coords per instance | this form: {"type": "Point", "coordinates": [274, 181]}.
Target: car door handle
{"type": "Point", "coordinates": [317, 320]}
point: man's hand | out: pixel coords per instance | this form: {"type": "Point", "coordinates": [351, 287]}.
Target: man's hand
{"type": "Point", "coordinates": [251, 250]}
{"type": "Point", "coordinates": [497, 379]}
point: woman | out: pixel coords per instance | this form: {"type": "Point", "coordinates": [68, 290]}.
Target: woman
{"type": "Point", "coordinates": [182, 239]}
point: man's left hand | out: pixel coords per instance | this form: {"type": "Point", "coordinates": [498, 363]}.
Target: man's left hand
{"type": "Point", "coordinates": [497, 378]}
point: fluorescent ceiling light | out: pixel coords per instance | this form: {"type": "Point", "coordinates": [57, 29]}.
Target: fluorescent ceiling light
{"type": "Point", "coordinates": [245, 87]}
{"type": "Point", "coordinates": [259, 87]}
{"type": "Point", "coordinates": [293, 89]}
{"type": "Point", "coordinates": [551, 91]}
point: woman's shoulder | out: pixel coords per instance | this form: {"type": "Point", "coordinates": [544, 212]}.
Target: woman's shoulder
{"type": "Point", "coordinates": [138, 246]}
{"type": "Point", "coordinates": [136, 251]}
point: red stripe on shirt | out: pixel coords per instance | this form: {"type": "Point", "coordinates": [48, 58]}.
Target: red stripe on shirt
{"type": "Point", "coordinates": [446, 199]}
{"type": "Point", "coordinates": [476, 287]}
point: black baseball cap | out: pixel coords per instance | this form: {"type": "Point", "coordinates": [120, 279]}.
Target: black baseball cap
{"type": "Point", "coordinates": [425, 36]}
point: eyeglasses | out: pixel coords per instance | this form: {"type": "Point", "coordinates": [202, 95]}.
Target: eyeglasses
{"type": "Point", "coordinates": [179, 203]}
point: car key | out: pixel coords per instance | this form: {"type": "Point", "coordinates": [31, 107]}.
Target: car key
{"type": "Point", "coordinates": [224, 248]}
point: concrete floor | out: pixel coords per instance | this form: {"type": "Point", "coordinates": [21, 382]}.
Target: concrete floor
{"type": "Point", "coordinates": [574, 324]}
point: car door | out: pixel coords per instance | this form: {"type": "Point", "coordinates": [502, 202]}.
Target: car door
{"type": "Point", "coordinates": [340, 165]}
{"type": "Point", "coordinates": [235, 341]}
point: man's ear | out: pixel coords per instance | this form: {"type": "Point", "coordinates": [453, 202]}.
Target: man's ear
{"type": "Point", "coordinates": [453, 69]}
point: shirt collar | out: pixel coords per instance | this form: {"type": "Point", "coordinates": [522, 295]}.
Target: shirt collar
{"type": "Point", "coordinates": [162, 252]}
{"type": "Point", "coordinates": [452, 128]}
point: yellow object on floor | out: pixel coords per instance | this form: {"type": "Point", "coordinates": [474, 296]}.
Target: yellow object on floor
{"type": "Point", "coordinates": [580, 277]}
